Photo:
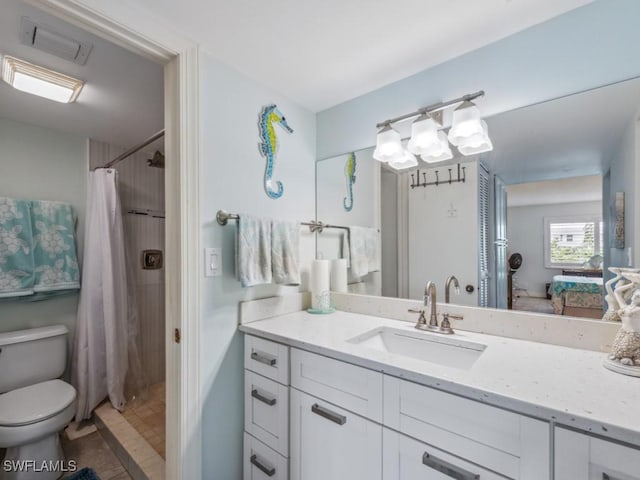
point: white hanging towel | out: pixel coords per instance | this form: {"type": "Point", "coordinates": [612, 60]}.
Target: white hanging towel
{"type": "Point", "coordinates": [253, 250]}
{"type": "Point", "coordinates": [363, 247]}
{"type": "Point", "coordinates": [100, 355]}
{"type": "Point", "coordinates": [285, 252]}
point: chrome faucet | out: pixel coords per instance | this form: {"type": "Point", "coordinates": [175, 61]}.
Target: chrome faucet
{"type": "Point", "coordinates": [430, 298]}
{"type": "Point", "coordinates": [430, 301]}
{"type": "Point", "coordinates": [447, 287]}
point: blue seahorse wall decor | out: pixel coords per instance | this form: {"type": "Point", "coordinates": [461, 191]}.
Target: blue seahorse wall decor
{"type": "Point", "coordinates": [350, 174]}
{"type": "Point", "coordinates": [269, 146]}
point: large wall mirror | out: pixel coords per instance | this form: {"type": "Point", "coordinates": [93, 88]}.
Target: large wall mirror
{"type": "Point", "coordinates": [532, 225]}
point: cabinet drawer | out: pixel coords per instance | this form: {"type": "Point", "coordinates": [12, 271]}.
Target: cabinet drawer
{"type": "Point", "coordinates": [263, 463]}
{"type": "Point", "coordinates": [330, 443]}
{"type": "Point", "coordinates": [582, 456]}
{"type": "Point", "coordinates": [502, 441]}
{"type": "Point", "coordinates": [267, 358]}
{"type": "Point", "coordinates": [407, 459]}
{"type": "Point", "coordinates": [266, 411]}
{"type": "Point", "coordinates": [353, 388]}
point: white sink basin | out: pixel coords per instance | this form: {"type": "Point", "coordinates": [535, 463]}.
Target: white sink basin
{"type": "Point", "coordinates": [428, 347]}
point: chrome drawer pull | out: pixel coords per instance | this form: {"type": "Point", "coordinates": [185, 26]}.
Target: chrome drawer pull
{"type": "Point", "coordinates": [447, 468]}
{"type": "Point", "coordinates": [266, 359]}
{"type": "Point", "coordinates": [269, 471]}
{"type": "Point", "coordinates": [328, 414]}
{"type": "Point", "coordinates": [269, 401]}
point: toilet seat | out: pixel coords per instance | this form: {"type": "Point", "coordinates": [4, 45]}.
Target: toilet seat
{"type": "Point", "coordinates": [35, 403]}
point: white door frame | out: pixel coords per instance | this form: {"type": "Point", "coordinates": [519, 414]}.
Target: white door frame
{"type": "Point", "coordinates": [131, 27]}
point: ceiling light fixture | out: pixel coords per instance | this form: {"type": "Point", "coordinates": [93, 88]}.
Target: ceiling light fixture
{"type": "Point", "coordinates": [468, 132]}
{"type": "Point", "coordinates": [30, 78]}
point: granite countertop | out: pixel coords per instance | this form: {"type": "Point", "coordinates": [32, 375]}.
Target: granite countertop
{"type": "Point", "coordinates": [564, 385]}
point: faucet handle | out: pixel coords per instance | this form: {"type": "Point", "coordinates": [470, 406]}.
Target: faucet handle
{"type": "Point", "coordinates": [421, 319]}
{"type": "Point", "coordinates": [445, 325]}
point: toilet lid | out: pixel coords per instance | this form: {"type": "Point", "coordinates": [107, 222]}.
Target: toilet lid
{"type": "Point", "coordinates": [35, 403]}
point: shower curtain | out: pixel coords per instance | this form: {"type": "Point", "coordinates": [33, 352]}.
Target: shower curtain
{"type": "Point", "coordinates": [106, 329]}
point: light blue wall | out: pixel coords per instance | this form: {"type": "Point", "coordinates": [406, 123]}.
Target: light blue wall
{"type": "Point", "coordinates": [587, 47]}
{"type": "Point", "coordinates": [232, 179]}
{"type": "Point", "coordinates": [42, 164]}
{"type": "Point", "coordinates": [624, 178]}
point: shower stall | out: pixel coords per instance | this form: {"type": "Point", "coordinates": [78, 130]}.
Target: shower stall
{"type": "Point", "coordinates": [140, 186]}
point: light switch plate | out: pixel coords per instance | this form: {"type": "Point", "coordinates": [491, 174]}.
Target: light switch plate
{"type": "Point", "coordinates": [212, 262]}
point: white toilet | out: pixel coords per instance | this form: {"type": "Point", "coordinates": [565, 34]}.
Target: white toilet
{"type": "Point", "coordinates": [34, 403]}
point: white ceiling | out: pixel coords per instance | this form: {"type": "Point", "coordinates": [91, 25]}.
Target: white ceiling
{"type": "Point", "coordinates": [323, 53]}
{"type": "Point", "coordinates": [122, 100]}
{"type": "Point", "coordinates": [567, 190]}
{"type": "Point", "coordinates": [567, 137]}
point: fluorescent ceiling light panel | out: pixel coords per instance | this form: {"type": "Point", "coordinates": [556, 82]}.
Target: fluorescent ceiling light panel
{"type": "Point", "coordinates": [30, 78]}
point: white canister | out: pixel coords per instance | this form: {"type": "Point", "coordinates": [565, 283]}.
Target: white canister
{"type": "Point", "coordinates": [320, 297]}
{"type": "Point", "coordinates": [339, 275]}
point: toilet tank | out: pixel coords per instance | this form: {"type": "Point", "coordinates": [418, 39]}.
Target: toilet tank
{"type": "Point", "coordinates": [32, 356]}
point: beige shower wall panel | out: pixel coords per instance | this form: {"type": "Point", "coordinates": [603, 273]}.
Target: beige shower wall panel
{"type": "Point", "coordinates": [152, 331]}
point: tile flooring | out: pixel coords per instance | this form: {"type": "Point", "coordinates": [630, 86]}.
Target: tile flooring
{"type": "Point", "coordinates": [92, 451]}
{"type": "Point", "coordinates": [148, 417]}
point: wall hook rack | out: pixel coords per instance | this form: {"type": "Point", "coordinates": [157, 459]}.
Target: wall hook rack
{"type": "Point", "coordinates": [459, 178]}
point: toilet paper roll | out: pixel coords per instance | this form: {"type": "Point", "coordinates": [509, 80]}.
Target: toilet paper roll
{"type": "Point", "coordinates": [319, 283]}
{"type": "Point", "coordinates": [339, 275]}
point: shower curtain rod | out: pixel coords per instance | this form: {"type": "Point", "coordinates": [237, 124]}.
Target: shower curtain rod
{"type": "Point", "coordinates": [135, 149]}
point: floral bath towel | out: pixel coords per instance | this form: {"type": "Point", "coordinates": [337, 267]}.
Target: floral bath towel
{"type": "Point", "coordinates": [37, 248]}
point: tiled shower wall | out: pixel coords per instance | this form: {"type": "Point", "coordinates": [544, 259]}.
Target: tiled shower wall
{"type": "Point", "coordinates": [142, 188]}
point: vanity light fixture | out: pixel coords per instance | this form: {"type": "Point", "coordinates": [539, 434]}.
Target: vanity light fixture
{"type": "Point", "coordinates": [477, 143]}
{"type": "Point", "coordinates": [30, 78]}
{"type": "Point", "coordinates": [407, 160]}
{"type": "Point", "coordinates": [388, 145]}
{"type": "Point", "coordinates": [465, 123]}
{"type": "Point", "coordinates": [468, 132]}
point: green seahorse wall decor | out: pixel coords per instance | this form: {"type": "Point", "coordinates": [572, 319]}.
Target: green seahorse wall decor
{"type": "Point", "coordinates": [270, 115]}
{"type": "Point", "coordinates": [350, 174]}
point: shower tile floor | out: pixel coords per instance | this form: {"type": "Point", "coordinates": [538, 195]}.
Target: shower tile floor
{"type": "Point", "coordinates": [92, 451]}
{"type": "Point", "coordinates": [148, 417]}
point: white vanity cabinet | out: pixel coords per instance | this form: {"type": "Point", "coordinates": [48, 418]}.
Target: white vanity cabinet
{"type": "Point", "coordinates": [584, 457]}
{"type": "Point", "coordinates": [407, 459]}
{"type": "Point", "coordinates": [329, 442]}
{"type": "Point", "coordinates": [266, 410]}
{"type": "Point", "coordinates": [335, 420]}
{"type": "Point", "coordinates": [504, 442]}
{"type": "Point", "coordinates": [336, 412]}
